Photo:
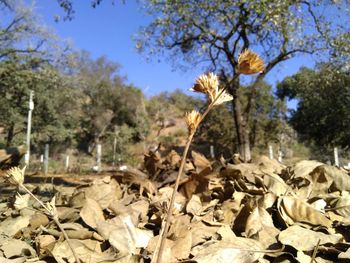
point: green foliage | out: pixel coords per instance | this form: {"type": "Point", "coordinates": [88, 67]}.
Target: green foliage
{"type": "Point", "coordinates": [323, 114]}
{"type": "Point", "coordinates": [107, 103]}
{"type": "Point", "coordinates": [52, 120]}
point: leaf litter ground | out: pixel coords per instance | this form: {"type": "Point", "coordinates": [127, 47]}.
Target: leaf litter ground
{"type": "Point", "coordinates": [224, 212]}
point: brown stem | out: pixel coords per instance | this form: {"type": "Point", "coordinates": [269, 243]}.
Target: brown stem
{"type": "Point", "coordinates": [164, 233]}
{"type": "Point", "coordinates": [55, 218]}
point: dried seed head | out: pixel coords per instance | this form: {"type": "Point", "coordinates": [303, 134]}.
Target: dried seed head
{"type": "Point", "coordinates": [223, 97]}
{"type": "Point", "coordinates": [21, 201]}
{"type": "Point", "coordinates": [206, 83]}
{"type": "Point", "coordinates": [193, 119]}
{"type": "Point", "coordinates": [52, 206]}
{"type": "Point", "coordinates": [16, 175]}
{"type": "Point", "coordinates": [250, 63]}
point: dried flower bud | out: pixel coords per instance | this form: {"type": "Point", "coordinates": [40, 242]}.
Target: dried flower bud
{"type": "Point", "coordinates": [193, 118]}
{"type": "Point", "coordinates": [21, 201]}
{"type": "Point", "coordinates": [206, 83]}
{"type": "Point", "coordinates": [52, 206]}
{"type": "Point", "coordinates": [16, 175]}
{"type": "Point", "coordinates": [223, 97]}
{"type": "Point", "coordinates": [250, 63]}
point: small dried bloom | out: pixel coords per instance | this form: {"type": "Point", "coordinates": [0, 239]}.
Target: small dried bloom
{"type": "Point", "coordinates": [192, 118]}
{"type": "Point", "coordinates": [52, 206]}
{"type": "Point", "coordinates": [206, 83]}
{"type": "Point", "coordinates": [223, 97]}
{"type": "Point", "coordinates": [16, 175]}
{"type": "Point", "coordinates": [250, 63]}
{"type": "Point", "coordinates": [21, 201]}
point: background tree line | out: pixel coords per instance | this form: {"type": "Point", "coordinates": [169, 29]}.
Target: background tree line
{"type": "Point", "coordinates": [80, 101]}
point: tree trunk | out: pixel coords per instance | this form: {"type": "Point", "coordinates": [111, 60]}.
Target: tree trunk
{"type": "Point", "coordinates": [242, 130]}
{"type": "Point", "coordinates": [10, 135]}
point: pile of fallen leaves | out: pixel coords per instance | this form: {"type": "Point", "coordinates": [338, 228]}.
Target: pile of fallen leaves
{"type": "Point", "coordinates": [224, 212]}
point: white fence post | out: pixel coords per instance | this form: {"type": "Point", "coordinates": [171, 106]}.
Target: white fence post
{"type": "Point", "coordinates": [46, 159]}
{"type": "Point", "coordinates": [212, 153]}
{"type": "Point", "coordinates": [29, 127]}
{"type": "Point", "coordinates": [336, 157]}
{"type": "Point", "coordinates": [98, 155]}
{"type": "Point", "coordinates": [270, 152]}
{"type": "Point", "coordinates": [280, 156]}
{"type": "Point", "coordinates": [67, 163]}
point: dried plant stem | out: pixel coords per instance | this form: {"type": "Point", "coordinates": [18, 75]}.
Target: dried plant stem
{"type": "Point", "coordinates": [54, 216]}
{"type": "Point", "coordinates": [164, 231]}
{"type": "Point", "coordinates": [314, 253]}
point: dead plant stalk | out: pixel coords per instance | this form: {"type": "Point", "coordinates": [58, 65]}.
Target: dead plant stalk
{"type": "Point", "coordinates": [164, 233]}
{"type": "Point", "coordinates": [16, 177]}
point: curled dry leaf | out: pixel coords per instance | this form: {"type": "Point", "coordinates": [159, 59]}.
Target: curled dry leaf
{"type": "Point", "coordinates": [17, 248]}
{"type": "Point", "coordinates": [194, 206]}
{"type": "Point", "coordinates": [123, 235]}
{"type": "Point", "coordinates": [342, 206]}
{"type": "Point", "coordinates": [86, 250]}
{"type": "Point", "coordinates": [260, 224]}
{"type": "Point", "coordinates": [292, 237]}
{"type": "Point", "coordinates": [201, 162]}
{"type": "Point", "coordinates": [10, 226]}
{"type": "Point", "coordinates": [91, 213]}
{"type": "Point", "coordinates": [238, 250]}
{"type": "Point", "coordinates": [295, 210]}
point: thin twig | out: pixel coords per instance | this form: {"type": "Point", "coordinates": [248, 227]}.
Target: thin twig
{"type": "Point", "coordinates": [164, 233]}
{"type": "Point", "coordinates": [55, 218]}
{"type": "Point", "coordinates": [53, 215]}
{"type": "Point", "coordinates": [315, 252]}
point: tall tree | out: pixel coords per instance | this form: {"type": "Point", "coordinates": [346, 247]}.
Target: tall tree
{"type": "Point", "coordinates": [53, 118]}
{"type": "Point", "coordinates": [107, 102]}
{"type": "Point", "coordinates": [322, 115]}
{"type": "Point", "coordinates": [214, 32]}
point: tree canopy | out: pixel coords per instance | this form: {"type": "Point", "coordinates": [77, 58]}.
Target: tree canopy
{"type": "Point", "coordinates": [322, 115]}
{"type": "Point", "coordinates": [214, 33]}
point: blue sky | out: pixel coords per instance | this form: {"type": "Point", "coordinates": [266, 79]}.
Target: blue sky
{"type": "Point", "coordinates": [108, 30]}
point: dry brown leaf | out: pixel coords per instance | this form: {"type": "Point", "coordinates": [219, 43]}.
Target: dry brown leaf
{"type": "Point", "coordinates": [201, 232]}
{"type": "Point", "coordinates": [45, 244]}
{"type": "Point", "coordinates": [238, 250]}
{"type": "Point", "coordinates": [304, 168]}
{"type": "Point", "coordinates": [260, 225]}
{"type": "Point", "coordinates": [194, 206]}
{"type": "Point", "coordinates": [203, 165]}
{"type": "Point", "coordinates": [10, 226]}
{"type": "Point", "coordinates": [167, 255]}
{"type": "Point", "coordinates": [342, 206]}
{"type": "Point", "coordinates": [17, 248]}
{"type": "Point", "coordinates": [37, 220]}
{"type": "Point", "coordinates": [270, 166]}
{"type": "Point", "coordinates": [341, 179]}
{"type": "Point", "coordinates": [295, 210]}
{"type": "Point", "coordinates": [197, 184]}
{"type": "Point", "coordinates": [102, 191]}
{"type": "Point", "coordinates": [86, 250]}
{"type": "Point", "coordinates": [275, 184]}
{"type": "Point", "coordinates": [91, 213]}
{"type": "Point", "coordinates": [181, 247]}
{"type": "Point", "coordinates": [123, 235]}
{"type": "Point", "coordinates": [180, 226]}
{"type": "Point", "coordinates": [345, 255]}
{"type": "Point", "coordinates": [305, 239]}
